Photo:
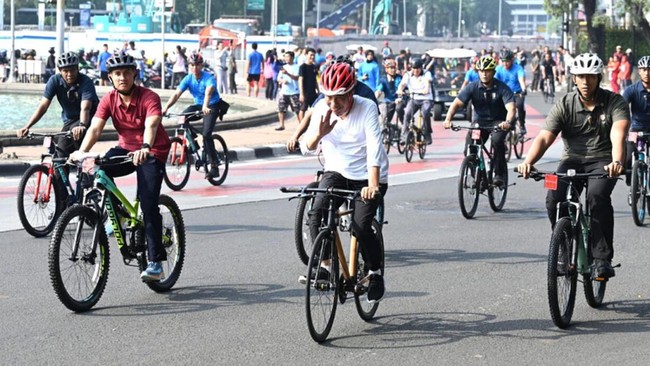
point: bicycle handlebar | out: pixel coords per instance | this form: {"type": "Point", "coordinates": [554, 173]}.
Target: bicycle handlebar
{"type": "Point", "coordinates": [328, 191]}
{"type": "Point", "coordinates": [475, 126]}
{"type": "Point", "coordinates": [538, 175]}
{"type": "Point", "coordinates": [184, 114]}
{"type": "Point", "coordinates": [33, 135]}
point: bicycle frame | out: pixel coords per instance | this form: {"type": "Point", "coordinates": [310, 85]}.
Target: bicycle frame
{"type": "Point", "coordinates": [96, 196]}
{"type": "Point", "coordinates": [182, 133]}
{"type": "Point", "coordinates": [477, 147]}
{"type": "Point", "coordinates": [582, 217]}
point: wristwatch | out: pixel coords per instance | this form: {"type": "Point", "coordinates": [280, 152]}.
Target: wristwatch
{"type": "Point", "coordinates": [145, 146]}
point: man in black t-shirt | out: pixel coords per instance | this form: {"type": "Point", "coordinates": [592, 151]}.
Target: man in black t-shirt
{"type": "Point", "coordinates": [549, 71]}
{"type": "Point", "coordinates": [307, 82]}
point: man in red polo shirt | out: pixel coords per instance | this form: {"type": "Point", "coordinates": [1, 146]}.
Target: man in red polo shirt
{"type": "Point", "coordinates": [136, 115]}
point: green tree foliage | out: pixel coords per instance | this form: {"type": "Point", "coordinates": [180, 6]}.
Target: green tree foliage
{"type": "Point", "coordinates": [638, 9]}
{"type": "Point", "coordinates": [559, 7]}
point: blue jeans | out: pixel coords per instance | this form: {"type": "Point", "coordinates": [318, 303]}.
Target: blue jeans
{"type": "Point", "coordinates": [150, 176]}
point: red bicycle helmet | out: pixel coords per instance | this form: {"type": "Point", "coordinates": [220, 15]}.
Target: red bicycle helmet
{"type": "Point", "coordinates": [338, 79]}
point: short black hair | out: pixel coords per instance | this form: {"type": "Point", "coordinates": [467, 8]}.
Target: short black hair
{"type": "Point", "coordinates": [254, 45]}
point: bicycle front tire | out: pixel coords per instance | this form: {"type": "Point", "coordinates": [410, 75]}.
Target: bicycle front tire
{"type": "Point", "coordinates": [468, 186]}
{"type": "Point", "coordinates": [301, 233]}
{"type": "Point", "coordinates": [366, 310]}
{"type": "Point", "coordinates": [177, 167]}
{"type": "Point", "coordinates": [38, 215]}
{"type": "Point", "coordinates": [409, 147]}
{"type": "Point", "coordinates": [562, 285]}
{"type": "Point", "coordinates": [638, 192]}
{"type": "Point", "coordinates": [386, 138]}
{"type": "Point", "coordinates": [518, 144]}
{"type": "Point", "coordinates": [173, 238]}
{"type": "Point", "coordinates": [497, 195]}
{"type": "Point", "coordinates": [221, 150]}
{"type": "Point", "coordinates": [78, 281]}
{"type": "Point", "coordinates": [321, 296]}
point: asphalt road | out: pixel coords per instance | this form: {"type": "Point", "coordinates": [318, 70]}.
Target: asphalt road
{"type": "Point", "coordinates": [459, 292]}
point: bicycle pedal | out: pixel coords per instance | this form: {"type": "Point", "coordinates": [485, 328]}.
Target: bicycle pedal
{"type": "Point", "coordinates": [302, 279]}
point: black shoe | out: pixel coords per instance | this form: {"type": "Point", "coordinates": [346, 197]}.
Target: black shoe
{"type": "Point", "coordinates": [522, 131]}
{"type": "Point", "coordinates": [498, 181]}
{"type": "Point", "coordinates": [428, 139]}
{"type": "Point", "coordinates": [214, 171]}
{"type": "Point", "coordinates": [602, 268]}
{"type": "Point", "coordinates": [375, 288]}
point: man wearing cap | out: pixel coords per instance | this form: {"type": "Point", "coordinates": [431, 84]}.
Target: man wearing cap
{"type": "Point", "coordinates": [419, 85]}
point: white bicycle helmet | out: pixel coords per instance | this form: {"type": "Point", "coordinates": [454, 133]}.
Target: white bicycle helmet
{"type": "Point", "coordinates": [644, 62]}
{"type": "Point", "coordinates": [587, 63]}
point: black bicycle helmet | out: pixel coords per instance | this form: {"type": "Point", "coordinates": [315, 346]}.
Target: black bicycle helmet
{"type": "Point", "coordinates": [195, 59]}
{"type": "Point", "coordinates": [67, 59]}
{"type": "Point", "coordinates": [120, 61]}
{"type": "Point", "coordinates": [506, 55]}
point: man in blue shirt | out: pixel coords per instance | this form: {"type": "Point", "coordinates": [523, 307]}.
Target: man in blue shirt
{"type": "Point", "coordinates": [254, 67]}
{"type": "Point", "coordinates": [101, 65]}
{"type": "Point", "coordinates": [78, 99]}
{"type": "Point", "coordinates": [637, 96]}
{"type": "Point", "coordinates": [513, 75]}
{"type": "Point", "coordinates": [368, 72]}
{"type": "Point", "coordinates": [493, 104]}
{"type": "Point", "coordinates": [203, 87]}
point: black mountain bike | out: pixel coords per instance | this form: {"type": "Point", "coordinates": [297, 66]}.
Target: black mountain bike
{"type": "Point", "coordinates": [477, 174]}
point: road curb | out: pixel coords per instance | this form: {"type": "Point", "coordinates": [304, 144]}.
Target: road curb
{"type": "Point", "coordinates": [18, 167]}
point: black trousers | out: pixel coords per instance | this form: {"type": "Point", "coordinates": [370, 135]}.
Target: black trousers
{"type": "Point", "coordinates": [598, 200]}
{"type": "Point", "coordinates": [149, 176]}
{"type": "Point", "coordinates": [498, 139]}
{"type": "Point", "coordinates": [364, 211]}
{"type": "Point", "coordinates": [209, 121]}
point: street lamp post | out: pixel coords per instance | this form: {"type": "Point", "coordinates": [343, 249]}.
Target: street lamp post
{"type": "Point", "coordinates": [500, 1]}
{"type": "Point", "coordinates": [460, 14]}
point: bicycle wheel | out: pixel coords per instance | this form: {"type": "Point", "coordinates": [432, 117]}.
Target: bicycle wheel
{"type": "Point", "coordinates": [173, 238]}
{"type": "Point", "coordinates": [638, 192]}
{"type": "Point", "coordinates": [177, 168]}
{"type": "Point", "coordinates": [321, 294]}
{"type": "Point", "coordinates": [518, 144]}
{"type": "Point", "coordinates": [302, 235]}
{"type": "Point", "coordinates": [594, 290]}
{"type": "Point", "coordinates": [468, 186]}
{"type": "Point", "coordinates": [386, 138]}
{"type": "Point", "coordinates": [222, 160]}
{"type": "Point", "coordinates": [562, 279]}
{"type": "Point", "coordinates": [366, 310]}
{"type": "Point", "coordinates": [422, 146]}
{"type": "Point", "coordinates": [400, 147]}
{"type": "Point", "coordinates": [409, 147]}
{"type": "Point", "coordinates": [38, 208]}
{"type": "Point", "coordinates": [77, 272]}
{"type": "Point", "coordinates": [509, 142]}
{"type": "Point", "coordinates": [497, 195]}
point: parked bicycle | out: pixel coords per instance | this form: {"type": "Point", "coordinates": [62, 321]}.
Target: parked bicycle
{"type": "Point", "coordinates": [323, 294]}
{"type": "Point", "coordinates": [79, 254]}
{"type": "Point", "coordinates": [185, 150]}
{"type": "Point", "coordinates": [45, 190]}
{"type": "Point", "coordinates": [477, 174]}
{"type": "Point", "coordinates": [640, 184]}
{"type": "Point", "coordinates": [570, 248]}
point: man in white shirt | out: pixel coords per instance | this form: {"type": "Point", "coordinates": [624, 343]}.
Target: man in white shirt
{"type": "Point", "coordinates": [347, 128]}
{"type": "Point", "coordinates": [419, 85]}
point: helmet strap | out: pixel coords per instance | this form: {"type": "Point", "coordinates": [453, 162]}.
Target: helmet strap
{"type": "Point", "coordinates": [126, 93]}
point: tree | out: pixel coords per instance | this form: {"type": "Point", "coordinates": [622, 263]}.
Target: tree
{"type": "Point", "coordinates": [638, 9]}
{"type": "Point", "coordinates": [559, 7]}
